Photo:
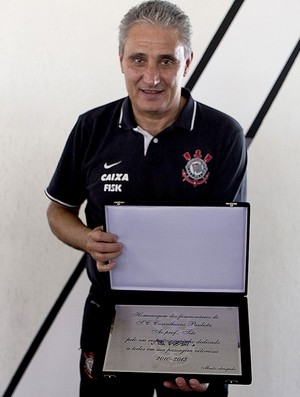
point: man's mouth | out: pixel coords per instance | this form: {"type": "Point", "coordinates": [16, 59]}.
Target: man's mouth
{"type": "Point", "coordinates": [151, 91]}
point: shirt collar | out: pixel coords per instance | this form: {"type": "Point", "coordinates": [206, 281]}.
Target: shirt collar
{"type": "Point", "coordinates": [185, 120]}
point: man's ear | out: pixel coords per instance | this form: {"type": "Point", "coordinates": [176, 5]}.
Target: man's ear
{"type": "Point", "coordinates": [121, 60]}
{"type": "Point", "coordinates": [188, 63]}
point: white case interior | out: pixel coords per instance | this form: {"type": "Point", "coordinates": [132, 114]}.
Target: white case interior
{"type": "Point", "coordinates": [180, 248]}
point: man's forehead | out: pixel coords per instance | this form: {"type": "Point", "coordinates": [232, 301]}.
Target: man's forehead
{"type": "Point", "coordinates": [153, 34]}
{"type": "Point", "coordinates": [151, 38]}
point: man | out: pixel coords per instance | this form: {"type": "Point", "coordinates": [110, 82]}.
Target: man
{"type": "Point", "coordinates": [156, 144]}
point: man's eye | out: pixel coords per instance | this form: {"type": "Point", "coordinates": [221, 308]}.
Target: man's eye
{"type": "Point", "coordinates": [167, 62]}
{"type": "Point", "coordinates": [139, 61]}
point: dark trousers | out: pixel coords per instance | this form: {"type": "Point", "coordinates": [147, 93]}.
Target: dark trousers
{"type": "Point", "coordinates": [96, 319]}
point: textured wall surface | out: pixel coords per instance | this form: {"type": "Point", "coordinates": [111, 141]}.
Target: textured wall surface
{"type": "Point", "coordinates": [59, 59]}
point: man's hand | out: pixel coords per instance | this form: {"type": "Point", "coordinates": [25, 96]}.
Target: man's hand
{"type": "Point", "coordinates": [191, 385]}
{"type": "Point", "coordinates": [68, 227]}
{"type": "Point", "coordinates": [104, 248]}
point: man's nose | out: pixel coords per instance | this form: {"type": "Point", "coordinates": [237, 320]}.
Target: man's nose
{"type": "Point", "coordinates": [151, 75]}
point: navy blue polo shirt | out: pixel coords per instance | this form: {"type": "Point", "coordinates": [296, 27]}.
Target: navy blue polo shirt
{"type": "Point", "coordinates": [201, 157]}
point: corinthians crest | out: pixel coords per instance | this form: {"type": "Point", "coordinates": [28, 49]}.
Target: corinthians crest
{"type": "Point", "coordinates": [196, 169]}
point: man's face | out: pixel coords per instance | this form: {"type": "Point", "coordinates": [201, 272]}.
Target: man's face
{"type": "Point", "coordinates": [154, 65]}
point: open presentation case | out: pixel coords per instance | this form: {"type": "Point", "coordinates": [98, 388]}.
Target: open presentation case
{"type": "Point", "coordinates": [179, 292]}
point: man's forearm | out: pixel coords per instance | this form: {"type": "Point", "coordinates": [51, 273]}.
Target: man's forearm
{"type": "Point", "coordinates": [67, 226]}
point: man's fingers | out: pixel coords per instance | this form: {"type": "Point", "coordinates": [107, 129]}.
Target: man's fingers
{"type": "Point", "coordinates": [195, 385]}
{"type": "Point", "coordinates": [191, 385]}
{"type": "Point", "coordinates": [105, 267]}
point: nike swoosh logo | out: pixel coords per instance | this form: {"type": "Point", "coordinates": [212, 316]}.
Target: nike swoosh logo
{"type": "Point", "coordinates": [108, 166]}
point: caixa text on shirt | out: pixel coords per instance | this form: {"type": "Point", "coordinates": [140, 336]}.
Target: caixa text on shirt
{"type": "Point", "coordinates": [114, 177]}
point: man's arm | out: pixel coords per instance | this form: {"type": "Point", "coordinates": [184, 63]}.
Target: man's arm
{"type": "Point", "coordinates": [67, 226]}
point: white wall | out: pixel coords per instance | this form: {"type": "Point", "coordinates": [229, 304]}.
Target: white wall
{"type": "Point", "coordinates": [59, 59]}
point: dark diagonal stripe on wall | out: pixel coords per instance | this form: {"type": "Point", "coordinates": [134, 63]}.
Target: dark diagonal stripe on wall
{"type": "Point", "coordinates": [44, 329]}
{"type": "Point", "coordinates": [214, 43]}
{"type": "Point", "coordinates": [272, 95]}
